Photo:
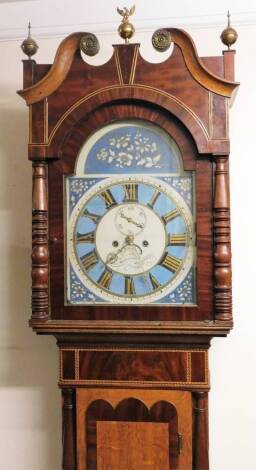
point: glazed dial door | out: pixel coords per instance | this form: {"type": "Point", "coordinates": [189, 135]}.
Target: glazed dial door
{"type": "Point", "coordinates": [130, 236]}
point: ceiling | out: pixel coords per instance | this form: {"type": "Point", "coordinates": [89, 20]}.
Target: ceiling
{"type": "Point", "coordinates": [60, 17]}
{"type": "Point", "coordinates": [16, 1]}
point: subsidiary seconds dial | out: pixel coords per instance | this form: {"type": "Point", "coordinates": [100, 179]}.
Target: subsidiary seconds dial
{"type": "Point", "coordinates": [130, 219]}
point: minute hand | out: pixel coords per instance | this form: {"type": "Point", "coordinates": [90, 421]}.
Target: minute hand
{"type": "Point", "coordinates": [129, 219]}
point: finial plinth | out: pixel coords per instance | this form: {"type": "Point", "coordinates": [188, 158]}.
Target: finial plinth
{"type": "Point", "coordinates": [29, 45]}
{"type": "Point", "coordinates": [126, 30]}
{"type": "Point", "coordinates": [229, 35]}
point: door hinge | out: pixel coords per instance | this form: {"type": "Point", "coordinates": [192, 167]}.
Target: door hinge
{"type": "Point", "coordinates": [179, 442]}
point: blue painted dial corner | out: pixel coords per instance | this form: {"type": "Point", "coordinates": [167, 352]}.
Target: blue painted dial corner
{"type": "Point", "coordinates": [78, 293]}
{"type": "Point", "coordinates": [184, 294]}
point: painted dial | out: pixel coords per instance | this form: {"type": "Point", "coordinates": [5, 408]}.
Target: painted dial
{"type": "Point", "coordinates": [131, 239]}
{"type": "Point", "coordinates": [130, 219]}
{"type": "Point", "coordinates": [131, 248]}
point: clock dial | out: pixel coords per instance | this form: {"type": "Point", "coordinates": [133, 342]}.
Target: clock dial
{"type": "Point", "coordinates": [108, 198]}
{"type": "Point", "coordinates": [130, 226]}
{"type": "Point", "coordinates": [177, 239]}
{"type": "Point", "coordinates": [131, 239]}
{"type": "Point", "coordinates": [131, 191]}
{"type": "Point", "coordinates": [130, 219]}
{"type": "Point", "coordinates": [131, 247]}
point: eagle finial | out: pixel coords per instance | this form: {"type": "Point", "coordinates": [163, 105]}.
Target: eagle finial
{"type": "Point", "coordinates": [125, 12]}
{"type": "Point", "coordinates": [126, 29]}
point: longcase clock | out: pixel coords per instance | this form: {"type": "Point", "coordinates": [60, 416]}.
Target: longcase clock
{"type": "Point", "coordinates": [131, 258]}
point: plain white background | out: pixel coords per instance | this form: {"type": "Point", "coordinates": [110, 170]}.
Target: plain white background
{"type": "Point", "coordinates": [30, 425]}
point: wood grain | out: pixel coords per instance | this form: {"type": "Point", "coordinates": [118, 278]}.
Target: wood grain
{"type": "Point", "coordinates": [132, 446]}
{"type": "Point", "coordinates": [96, 405]}
{"type": "Point", "coordinates": [40, 253]}
{"type": "Point", "coordinates": [200, 434]}
{"type": "Point", "coordinates": [222, 242]}
{"type": "Point", "coordinates": [197, 68]}
{"type": "Point", "coordinates": [204, 194]}
{"type": "Point", "coordinates": [131, 410]}
{"type": "Point", "coordinates": [133, 367]}
{"type": "Point", "coordinates": [68, 430]}
{"type": "Point", "coordinates": [189, 98]}
{"type": "Point", "coordinates": [57, 73]}
{"type": "Point", "coordinates": [229, 64]}
{"type": "Point", "coordinates": [144, 332]}
{"type": "Point", "coordinates": [28, 72]}
{"type": "Point", "coordinates": [67, 49]}
{"type": "Point", "coordinates": [59, 124]}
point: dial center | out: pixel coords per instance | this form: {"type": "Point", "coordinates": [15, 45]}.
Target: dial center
{"type": "Point", "coordinates": [130, 224]}
{"type": "Point", "coordinates": [130, 219]}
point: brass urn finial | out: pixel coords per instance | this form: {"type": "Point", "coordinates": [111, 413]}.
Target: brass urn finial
{"type": "Point", "coordinates": [126, 30]}
{"type": "Point", "coordinates": [229, 35]}
{"type": "Point", "coordinates": [29, 45]}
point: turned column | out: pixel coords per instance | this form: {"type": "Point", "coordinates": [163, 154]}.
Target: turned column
{"type": "Point", "coordinates": [40, 253]}
{"type": "Point", "coordinates": [200, 432]}
{"type": "Point", "coordinates": [68, 429]}
{"type": "Point", "coordinates": [222, 244]}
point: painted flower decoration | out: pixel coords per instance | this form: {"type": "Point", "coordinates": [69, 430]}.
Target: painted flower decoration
{"type": "Point", "coordinates": [128, 150]}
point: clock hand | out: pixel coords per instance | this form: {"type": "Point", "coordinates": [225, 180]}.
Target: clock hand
{"type": "Point", "coordinates": [129, 241]}
{"type": "Point", "coordinates": [129, 219]}
{"type": "Point", "coordinates": [112, 257]}
{"type": "Point", "coordinates": [137, 246]}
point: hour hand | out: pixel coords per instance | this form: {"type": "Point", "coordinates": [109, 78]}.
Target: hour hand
{"type": "Point", "coordinates": [111, 258]}
{"type": "Point", "coordinates": [129, 219]}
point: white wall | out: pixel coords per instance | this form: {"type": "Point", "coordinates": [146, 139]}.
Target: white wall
{"type": "Point", "coordinates": [30, 424]}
